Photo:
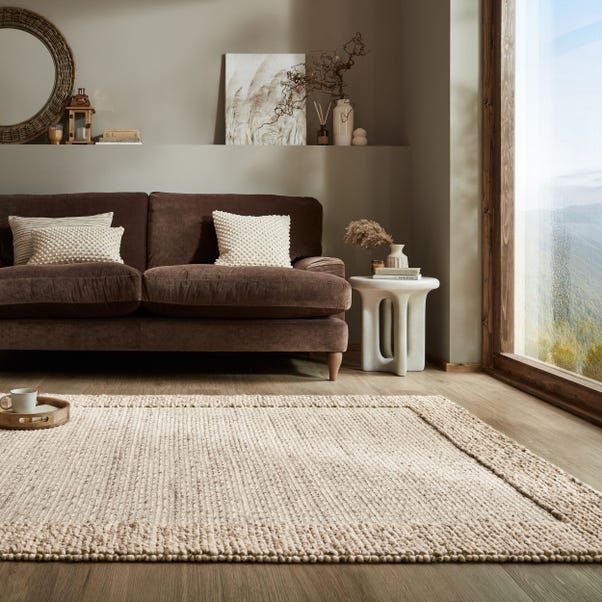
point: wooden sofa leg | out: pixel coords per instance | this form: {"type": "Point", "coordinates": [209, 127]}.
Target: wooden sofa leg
{"type": "Point", "coordinates": [334, 363]}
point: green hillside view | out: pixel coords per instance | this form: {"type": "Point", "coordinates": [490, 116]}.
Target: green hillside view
{"type": "Point", "coordinates": [563, 293]}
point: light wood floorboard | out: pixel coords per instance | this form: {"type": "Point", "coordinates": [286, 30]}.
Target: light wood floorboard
{"type": "Point", "coordinates": [562, 438]}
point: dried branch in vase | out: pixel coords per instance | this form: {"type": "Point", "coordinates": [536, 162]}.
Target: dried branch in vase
{"type": "Point", "coordinates": [323, 73]}
{"type": "Point", "coordinates": [366, 233]}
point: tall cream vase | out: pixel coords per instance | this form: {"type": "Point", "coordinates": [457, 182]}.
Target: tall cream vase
{"type": "Point", "coordinates": [342, 122]}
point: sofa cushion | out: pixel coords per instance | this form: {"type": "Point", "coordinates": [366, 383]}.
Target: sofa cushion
{"type": "Point", "coordinates": [91, 290]}
{"type": "Point", "coordinates": [203, 290]}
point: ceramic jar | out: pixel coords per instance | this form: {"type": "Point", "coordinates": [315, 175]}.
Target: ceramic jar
{"type": "Point", "coordinates": [397, 258]}
{"type": "Point", "coordinates": [342, 122]}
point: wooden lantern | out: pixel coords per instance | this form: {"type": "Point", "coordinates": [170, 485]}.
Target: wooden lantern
{"type": "Point", "coordinates": [79, 119]}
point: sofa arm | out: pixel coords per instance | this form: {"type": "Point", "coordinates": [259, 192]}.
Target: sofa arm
{"type": "Point", "coordinates": [329, 265]}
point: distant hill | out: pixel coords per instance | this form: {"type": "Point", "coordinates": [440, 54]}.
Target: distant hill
{"type": "Point", "coordinates": [563, 285]}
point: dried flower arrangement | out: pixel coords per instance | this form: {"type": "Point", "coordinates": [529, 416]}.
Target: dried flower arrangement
{"type": "Point", "coordinates": [322, 73]}
{"type": "Point", "coordinates": [366, 233]}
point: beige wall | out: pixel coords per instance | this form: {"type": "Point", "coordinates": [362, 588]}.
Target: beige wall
{"type": "Point", "coordinates": [425, 36]}
{"type": "Point", "coordinates": [157, 65]}
{"type": "Point", "coordinates": [440, 69]}
{"type": "Point", "coordinates": [465, 183]}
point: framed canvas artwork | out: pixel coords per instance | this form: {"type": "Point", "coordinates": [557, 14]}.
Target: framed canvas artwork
{"type": "Point", "coordinates": [254, 86]}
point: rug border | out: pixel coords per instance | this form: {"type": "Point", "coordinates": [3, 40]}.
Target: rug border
{"type": "Point", "coordinates": [580, 505]}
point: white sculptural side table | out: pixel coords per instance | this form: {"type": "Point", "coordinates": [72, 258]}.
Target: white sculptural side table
{"type": "Point", "coordinates": [406, 300]}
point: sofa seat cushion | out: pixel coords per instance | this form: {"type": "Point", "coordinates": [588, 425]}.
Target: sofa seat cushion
{"type": "Point", "coordinates": [205, 290]}
{"type": "Point", "coordinates": [91, 290]}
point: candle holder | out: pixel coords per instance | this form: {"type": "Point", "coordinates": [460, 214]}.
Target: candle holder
{"type": "Point", "coordinates": [55, 134]}
{"type": "Point", "coordinates": [79, 118]}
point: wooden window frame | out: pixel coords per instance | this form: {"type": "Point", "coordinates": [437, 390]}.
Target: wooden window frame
{"type": "Point", "coordinates": [579, 395]}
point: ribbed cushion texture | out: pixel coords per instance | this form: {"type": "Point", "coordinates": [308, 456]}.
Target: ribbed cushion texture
{"type": "Point", "coordinates": [245, 240]}
{"type": "Point", "coordinates": [75, 244]}
{"type": "Point", "coordinates": [91, 290]}
{"type": "Point", "coordinates": [23, 228]}
{"type": "Point", "coordinates": [243, 292]}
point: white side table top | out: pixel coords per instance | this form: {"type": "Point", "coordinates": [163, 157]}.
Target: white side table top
{"type": "Point", "coordinates": [390, 284]}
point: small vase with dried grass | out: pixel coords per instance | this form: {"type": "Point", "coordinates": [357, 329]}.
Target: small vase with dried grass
{"type": "Point", "coordinates": [367, 234]}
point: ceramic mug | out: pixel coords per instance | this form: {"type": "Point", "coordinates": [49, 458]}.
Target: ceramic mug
{"type": "Point", "coordinates": [20, 401]}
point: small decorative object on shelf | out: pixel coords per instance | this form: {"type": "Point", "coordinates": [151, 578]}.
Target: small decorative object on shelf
{"type": "Point", "coordinates": [323, 138]}
{"type": "Point", "coordinates": [377, 264]}
{"type": "Point", "coordinates": [342, 122]}
{"type": "Point", "coordinates": [121, 136]}
{"type": "Point", "coordinates": [360, 137]}
{"type": "Point", "coordinates": [397, 258]}
{"type": "Point", "coordinates": [79, 119]}
{"type": "Point", "coordinates": [55, 134]}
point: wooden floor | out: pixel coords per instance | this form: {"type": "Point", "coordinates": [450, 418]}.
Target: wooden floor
{"type": "Point", "coordinates": [566, 440]}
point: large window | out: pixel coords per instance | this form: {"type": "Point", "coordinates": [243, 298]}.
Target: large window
{"type": "Point", "coordinates": [558, 183]}
{"type": "Point", "coordinates": [542, 220]}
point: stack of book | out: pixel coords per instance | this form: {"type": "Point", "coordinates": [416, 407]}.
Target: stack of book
{"type": "Point", "coordinates": [397, 273]}
{"type": "Point", "coordinates": [120, 137]}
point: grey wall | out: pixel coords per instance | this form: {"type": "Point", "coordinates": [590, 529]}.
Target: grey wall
{"type": "Point", "coordinates": [441, 73]}
{"type": "Point", "coordinates": [157, 65]}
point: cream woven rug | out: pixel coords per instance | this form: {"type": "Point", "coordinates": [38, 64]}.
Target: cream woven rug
{"type": "Point", "coordinates": [286, 479]}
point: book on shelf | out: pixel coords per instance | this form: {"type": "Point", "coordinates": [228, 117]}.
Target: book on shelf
{"type": "Point", "coordinates": [120, 142]}
{"type": "Point", "coordinates": [121, 136]}
{"type": "Point", "coordinates": [397, 277]}
{"type": "Point", "coordinates": [397, 271]}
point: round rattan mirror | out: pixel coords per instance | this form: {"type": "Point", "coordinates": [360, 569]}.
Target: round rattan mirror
{"type": "Point", "coordinates": [37, 73]}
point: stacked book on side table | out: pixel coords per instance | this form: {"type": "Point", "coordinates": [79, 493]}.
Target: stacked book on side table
{"type": "Point", "coordinates": [120, 137]}
{"type": "Point", "coordinates": [397, 274]}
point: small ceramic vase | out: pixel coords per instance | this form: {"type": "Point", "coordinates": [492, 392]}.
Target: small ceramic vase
{"type": "Point", "coordinates": [397, 258]}
{"type": "Point", "coordinates": [342, 122]}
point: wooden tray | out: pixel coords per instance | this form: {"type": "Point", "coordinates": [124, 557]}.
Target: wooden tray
{"type": "Point", "coordinates": [40, 420]}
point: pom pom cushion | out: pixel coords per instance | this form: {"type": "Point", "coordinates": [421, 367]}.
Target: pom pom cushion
{"type": "Point", "coordinates": [75, 244]}
{"type": "Point", "coordinates": [245, 240]}
{"type": "Point", "coordinates": [22, 228]}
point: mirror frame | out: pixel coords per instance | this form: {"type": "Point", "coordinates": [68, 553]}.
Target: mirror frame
{"type": "Point", "coordinates": [52, 111]}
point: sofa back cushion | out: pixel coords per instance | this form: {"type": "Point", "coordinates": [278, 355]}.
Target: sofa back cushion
{"type": "Point", "coordinates": [181, 229]}
{"type": "Point", "coordinates": [130, 211]}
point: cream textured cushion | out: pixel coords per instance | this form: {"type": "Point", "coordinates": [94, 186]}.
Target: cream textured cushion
{"type": "Point", "coordinates": [76, 244]}
{"type": "Point", "coordinates": [253, 241]}
{"type": "Point", "coordinates": [22, 228]}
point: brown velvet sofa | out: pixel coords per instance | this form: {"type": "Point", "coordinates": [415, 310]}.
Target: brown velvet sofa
{"type": "Point", "coordinates": [168, 295]}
